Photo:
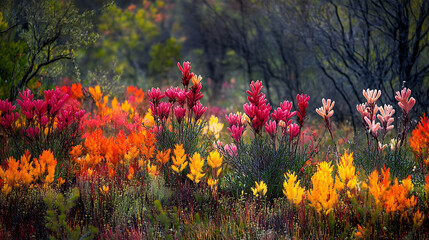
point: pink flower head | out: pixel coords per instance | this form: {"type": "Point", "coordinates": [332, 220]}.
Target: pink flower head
{"type": "Point", "coordinates": [186, 73]}
{"type": "Point", "coordinates": [250, 110]}
{"type": "Point", "coordinates": [255, 96]}
{"type": "Point", "coordinates": [293, 130]}
{"type": "Point", "coordinates": [373, 127]}
{"type": "Point", "coordinates": [286, 106]}
{"type": "Point", "coordinates": [231, 149]}
{"type": "Point", "coordinates": [40, 107]}
{"type": "Point", "coordinates": [326, 110]}
{"type": "Point", "coordinates": [181, 97]}
{"type": "Point", "coordinates": [7, 116]}
{"type": "Point", "coordinates": [163, 111]}
{"type": "Point", "coordinates": [32, 132]}
{"type": "Point", "coordinates": [194, 95]}
{"type": "Point", "coordinates": [263, 113]}
{"type": "Point", "coordinates": [155, 95]}
{"type": "Point", "coordinates": [371, 95]}
{"type": "Point", "coordinates": [199, 110]}
{"type": "Point", "coordinates": [157, 129]}
{"type": "Point", "coordinates": [362, 109]}
{"type": "Point", "coordinates": [236, 132]}
{"type": "Point", "coordinates": [65, 118]}
{"type": "Point", "coordinates": [26, 103]}
{"type": "Point", "coordinates": [302, 100]}
{"type": "Point", "coordinates": [271, 127]}
{"type": "Point", "coordinates": [385, 117]}
{"type": "Point", "coordinates": [405, 103]}
{"type": "Point", "coordinates": [179, 112]}
{"type": "Point", "coordinates": [278, 115]}
{"type": "Point", "coordinates": [233, 119]}
{"type": "Point", "coordinates": [171, 93]}
{"type": "Point", "coordinates": [55, 100]}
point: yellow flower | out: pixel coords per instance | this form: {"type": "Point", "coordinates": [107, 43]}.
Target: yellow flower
{"type": "Point", "coordinates": [152, 170]}
{"type": "Point", "coordinates": [179, 159]}
{"type": "Point", "coordinates": [96, 94]}
{"type": "Point", "coordinates": [196, 165]}
{"type": "Point", "coordinates": [215, 126]}
{"type": "Point", "coordinates": [126, 107]}
{"type": "Point", "coordinates": [214, 160]}
{"type": "Point", "coordinates": [212, 183]}
{"type": "Point", "coordinates": [346, 173]}
{"type": "Point", "coordinates": [104, 190]}
{"type": "Point", "coordinates": [148, 119]}
{"type": "Point", "coordinates": [90, 172]}
{"type": "Point", "coordinates": [260, 189]}
{"type": "Point", "coordinates": [323, 196]}
{"type": "Point", "coordinates": [292, 190]}
{"type": "Point", "coordinates": [114, 103]}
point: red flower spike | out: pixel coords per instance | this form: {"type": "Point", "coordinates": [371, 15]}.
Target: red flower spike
{"type": "Point", "coordinates": [163, 111]}
{"type": "Point", "coordinates": [250, 110]}
{"type": "Point", "coordinates": [155, 95]}
{"type": "Point", "coordinates": [179, 112]}
{"type": "Point", "coordinates": [278, 115]}
{"type": "Point", "coordinates": [186, 73]}
{"type": "Point", "coordinates": [171, 93]}
{"type": "Point", "coordinates": [271, 127]}
{"type": "Point", "coordinates": [293, 130]}
{"type": "Point", "coordinates": [255, 96]}
{"type": "Point", "coordinates": [286, 106]}
{"type": "Point", "coordinates": [199, 110]}
{"type": "Point", "coordinates": [236, 132]}
{"type": "Point", "coordinates": [302, 100]}
{"type": "Point", "coordinates": [233, 119]}
{"type": "Point", "coordinates": [181, 97]}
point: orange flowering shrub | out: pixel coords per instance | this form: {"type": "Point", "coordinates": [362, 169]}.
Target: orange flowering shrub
{"type": "Point", "coordinates": [323, 195]}
{"type": "Point", "coordinates": [27, 173]}
{"type": "Point", "coordinates": [419, 140]}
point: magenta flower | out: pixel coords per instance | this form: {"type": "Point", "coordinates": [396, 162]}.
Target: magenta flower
{"type": "Point", "coordinates": [26, 103]}
{"type": "Point", "coordinates": [179, 112]}
{"type": "Point", "coordinates": [155, 94]}
{"type": "Point", "coordinates": [7, 116]}
{"type": "Point", "coordinates": [194, 95]}
{"type": "Point", "coordinates": [271, 128]}
{"type": "Point", "coordinates": [186, 73]}
{"type": "Point", "coordinates": [32, 132]}
{"type": "Point", "coordinates": [250, 110]}
{"type": "Point", "coordinates": [257, 109]}
{"type": "Point", "coordinates": [293, 130]}
{"type": "Point", "coordinates": [181, 97]}
{"type": "Point", "coordinates": [231, 149]}
{"type": "Point", "coordinates": [278, 115]}
{"type": "Point", "coordinates": [233, 119]}
{"type": "Point", "coordinates": [302, 100]}
{"type": "Point", "coordinates": [163, 111]}
{"type": "Point", "coordinates": [405, 103]}
{"type": "Point", "coordinates": [171, 93]}
{"type": "Point", "coordinates": [55, 100]}
{"type": "Point", "coordinates": [236, 132]}
{"type": "Point", "coordinates": [255, 96]}
{"type": "Point", "coordinates": [198, 110]}
{"type": "Point", "coordinates": [65, 118]}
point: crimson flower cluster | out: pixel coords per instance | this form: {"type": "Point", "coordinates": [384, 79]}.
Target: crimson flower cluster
{"type": "Point", "coordinates": [191, 96]}
{"type": "Point", "coordinates": [257, 109]}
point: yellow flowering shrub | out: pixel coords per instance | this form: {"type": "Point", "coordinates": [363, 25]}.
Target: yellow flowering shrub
{"type": "Point", "coordinates": [179, 159]}
{"type": "Point", "coordinates": [291, 188]}
{"type": "Point", "coordinates": [196, 167]}
{"type": "Point", "coordinates": [346, 178]}
{"type": "Point", "coordinates": [323, 195]}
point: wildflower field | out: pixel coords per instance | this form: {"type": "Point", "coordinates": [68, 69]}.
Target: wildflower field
{"type": "Point", "coordinates": [78, 163]}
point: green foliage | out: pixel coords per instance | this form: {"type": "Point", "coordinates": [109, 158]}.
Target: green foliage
{"type": "Point", "coordinates": [262, 159]}
{"type": "Point", "coordinates": [157, 189]}
{"type": "Point", "coordinates": [44, 32]}
{"type": "Point", "coordinates": [56, 217]}
{"type": "Point", "coordinates": [137, 39]}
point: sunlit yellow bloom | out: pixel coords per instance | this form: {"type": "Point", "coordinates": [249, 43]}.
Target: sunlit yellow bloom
{"type": "Point", "coordinates": [291, 188]}
{"type": "Point", "coordinates": [148, 119]}
{"type": "Point", "coordinates": [196, 165]}
{"type": "Point", "coordinates": [96, 93]}
{"type": "Point", "coordinates": [114, 103]}
{"type": "Point", "coordinates": [346, 173]}
{"type": "Point", "coordinates": [260, 189]}
{"type": "Point", "coordinates": [131, 154]}
{"type": "Point", "coordinates": [179, 159]}
{"type": "Point", "coordinates": [214, 160]}
{"type": "Point", "coordinates": [126, 107]}
{"type": "Point", "coordinates": [90, 172]}
{"type": "Point", "coordinates": [215, 126]}
{"type": "Point", "coordinates": [104, 190]}
{"type": "Point", "coordinates": [323, 196]}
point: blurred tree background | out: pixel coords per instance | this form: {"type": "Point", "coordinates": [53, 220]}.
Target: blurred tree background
{"type": "Point", "coordinates": [328, 48]}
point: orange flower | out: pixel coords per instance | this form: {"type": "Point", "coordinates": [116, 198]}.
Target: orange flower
{"type": "Point", "coordinates": [152, 170]}
{"type": "Point", "coordinates": [76, 90]}
{"type": "Point", "coordinates": [427, 184]}
{"type": "Point", "coordinates": [179, 159]}
{"type": "Point", "coordinates": [163, 156]}
{"type": "Point", "coordinates": [104, 190]}
{"type": "Point", "coordinates": [130, 173]}
{"type": "Point", "coordinates": [419, 140]}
